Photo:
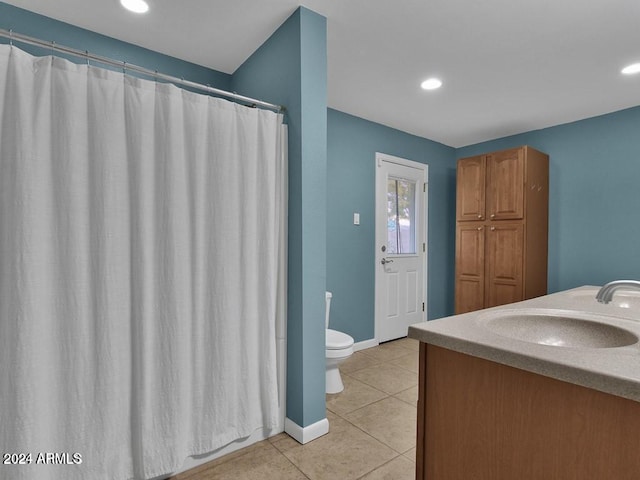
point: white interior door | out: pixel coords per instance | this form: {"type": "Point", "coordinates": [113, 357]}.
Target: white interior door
{"type": "Point", "coordinates": [401, 220]}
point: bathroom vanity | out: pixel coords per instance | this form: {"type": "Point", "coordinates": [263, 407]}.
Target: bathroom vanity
{"type": "Point", "coordinates": [548, 388]}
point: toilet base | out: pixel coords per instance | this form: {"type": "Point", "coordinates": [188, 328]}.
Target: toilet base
{"type": "Point", "coordinates": [334, 380]}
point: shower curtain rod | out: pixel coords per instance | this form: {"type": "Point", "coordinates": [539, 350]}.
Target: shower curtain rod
{"type": "Point", "coordinates": [11, 35]}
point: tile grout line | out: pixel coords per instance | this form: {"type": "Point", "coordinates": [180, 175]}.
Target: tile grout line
{"type": "Point", "coordinates": [363, 406]}
{"type": "Point", "coordinates": [386, 393]}
{"type": "Point", "coordinates": [368, 434]}
{"type": "Point", "coordinates": [379, 466]}
{"type": "Point", "coordinates": [294, 465]}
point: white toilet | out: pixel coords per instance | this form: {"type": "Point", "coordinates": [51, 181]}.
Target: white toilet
{"type": "Point", "coordinates": [339, 347]}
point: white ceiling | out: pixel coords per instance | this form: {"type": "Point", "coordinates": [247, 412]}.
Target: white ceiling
{"type": "Point", "coordinates": [508, 66]}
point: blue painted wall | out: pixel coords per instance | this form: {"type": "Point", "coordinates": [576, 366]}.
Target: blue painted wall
{"type": "Point", "coordinates": [290, 69]}
{"type": "Point", "coordinates": [45, 28]}
{"type": "Point", "coordinates": [353, 143]}
{"type": "Point", "coordinates": [594, 198]}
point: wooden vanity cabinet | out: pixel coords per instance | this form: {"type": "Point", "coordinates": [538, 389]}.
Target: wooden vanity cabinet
{"type": "Point", "coordinates": [482, 420]}
{"type": "Point", "coordinates": [501, 228]}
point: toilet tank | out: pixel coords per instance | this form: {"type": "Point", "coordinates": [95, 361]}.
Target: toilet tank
{"type": "Point", "coordinates": [328, 296]}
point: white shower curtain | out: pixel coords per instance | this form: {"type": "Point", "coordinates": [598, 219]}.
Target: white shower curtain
{"type": "Point", "coordinates": [139, 260]}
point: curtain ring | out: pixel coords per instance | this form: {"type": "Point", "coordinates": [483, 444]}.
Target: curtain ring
{"type": "Point", "coordinates": [11, 37]}
{"type": "Point", "coordinates": [124, 68]}
{"type": "Point", "coordinates": [86, 53]}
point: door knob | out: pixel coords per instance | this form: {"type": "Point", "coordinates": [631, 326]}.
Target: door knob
{"type": "Point", "coordinates": [384, 261]}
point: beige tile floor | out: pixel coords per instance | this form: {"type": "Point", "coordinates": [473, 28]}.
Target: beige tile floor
{"type": "Point", "coordinates": [372, 428]}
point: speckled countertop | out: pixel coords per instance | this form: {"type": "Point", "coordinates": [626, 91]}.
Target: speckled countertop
{"type": "Point", "coordinates": [614, 370]}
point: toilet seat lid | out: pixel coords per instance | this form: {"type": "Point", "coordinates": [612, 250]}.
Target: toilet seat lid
{"type": "Point", "coordinates": [338, 340]}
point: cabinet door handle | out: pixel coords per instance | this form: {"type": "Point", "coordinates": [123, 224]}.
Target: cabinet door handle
{"type": "Point", "coordinates": [493, 228]}
{"type": "Point", "coordinates": [479, 228]}
{"type": "Point", "coordinates": [493, 215]}
{"type": "Point", "coordinates": [480, 217]}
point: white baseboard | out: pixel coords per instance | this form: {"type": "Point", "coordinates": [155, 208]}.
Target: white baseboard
{"type": "Point", "coordinates": [306, 434]}
{"type": "Point", "coordinates": [364, 345]}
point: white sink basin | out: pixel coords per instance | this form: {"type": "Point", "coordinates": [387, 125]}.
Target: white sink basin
{"type": "Point", "coordinates": [557, 328]}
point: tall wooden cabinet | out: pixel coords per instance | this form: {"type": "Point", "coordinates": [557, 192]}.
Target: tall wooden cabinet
{"type": "Point", "coordinates": [502, 203]}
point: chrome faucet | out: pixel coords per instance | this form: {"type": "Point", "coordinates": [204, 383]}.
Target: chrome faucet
{"type": "Point", "coordinates": [605, 294]}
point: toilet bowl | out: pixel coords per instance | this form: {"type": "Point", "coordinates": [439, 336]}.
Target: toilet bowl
{"type": "Point", "coordinates": [338, 347]}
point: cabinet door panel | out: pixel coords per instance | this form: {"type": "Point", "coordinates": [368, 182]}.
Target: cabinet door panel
{"type": "Point", "coordinates": [469, 295]}
{"type": "Point", "coordinates": [504, 264]}
{"type": "Point", "coordinates": [470, 270]}
{"type": "Point", "coordinates": [505, 185]}
{"type": "Point", "coordinates": [470, 189]}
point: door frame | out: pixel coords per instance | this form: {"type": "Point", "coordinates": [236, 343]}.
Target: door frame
{"type": "Point", "coordinates": [378, 255]}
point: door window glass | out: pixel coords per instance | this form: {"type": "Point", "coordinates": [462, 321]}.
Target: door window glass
{"type": "Point", "coordinates": [401, 211]}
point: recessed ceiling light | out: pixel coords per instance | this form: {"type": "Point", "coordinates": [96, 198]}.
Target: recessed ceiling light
{"type": "Point", "coordinates": [631, 69]}
{"type": "Point", "coordinates": [431, 84]}
{"type": "Point", "coordinates": [136, 6]}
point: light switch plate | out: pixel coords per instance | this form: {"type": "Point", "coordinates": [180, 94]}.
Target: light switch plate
{"type": "Point", "coordinates": [356, 219]}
